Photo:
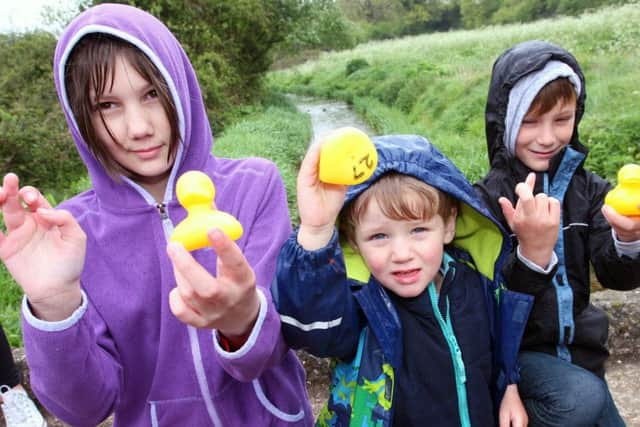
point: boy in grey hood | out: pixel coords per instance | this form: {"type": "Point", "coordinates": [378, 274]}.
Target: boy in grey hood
{"type": "Point", "coordinates": [539, 189]}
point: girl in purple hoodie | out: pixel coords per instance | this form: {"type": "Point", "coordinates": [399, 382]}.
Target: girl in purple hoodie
{"type": "Point", "coordinates": [115, 320]}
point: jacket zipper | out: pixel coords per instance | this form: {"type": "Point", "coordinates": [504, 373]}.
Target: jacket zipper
{"type": "Point", "coordinates": [162, 209]}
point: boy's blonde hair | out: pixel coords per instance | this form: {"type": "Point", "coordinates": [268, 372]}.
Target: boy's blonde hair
{"type": "Point", "coordinates": [400, 197]}
{"type": "Point", "coordinates": [560, 89]}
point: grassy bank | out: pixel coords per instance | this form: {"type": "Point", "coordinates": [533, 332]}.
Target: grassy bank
{"type": "Point", "coordinates": [436, 85]}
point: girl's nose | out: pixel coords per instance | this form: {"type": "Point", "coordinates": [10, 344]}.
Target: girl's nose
{"type": "Point", "coordinates": [138, 122]}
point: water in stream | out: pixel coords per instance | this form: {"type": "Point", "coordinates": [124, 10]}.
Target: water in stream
{"type": "Point", "coordinates": [327, 115]}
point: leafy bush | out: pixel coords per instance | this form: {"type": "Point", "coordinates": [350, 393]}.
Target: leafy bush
{"type": "Point", "coordinates": [354, 65]}
{"type": "Point", "coordinates": [34, 138]}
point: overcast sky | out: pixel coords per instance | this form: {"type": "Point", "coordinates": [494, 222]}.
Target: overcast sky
{"type": "Point", "coordinates": [24, 15]}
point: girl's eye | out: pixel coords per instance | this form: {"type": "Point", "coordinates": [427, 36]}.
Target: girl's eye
{"type": "Point", "coordinates": [563, 119]}
{"type": "Point", "coordinates": [106, 105]}
{"type": "Point", "coordinates": [527, 121]}
{"type": "Point", "coordinates": [419, 230]}
{"type": "Point", "coordinates": [152, 94]}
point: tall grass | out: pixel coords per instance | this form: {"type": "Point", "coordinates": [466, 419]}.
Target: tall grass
{"type": "Point", "coordinates": [436, 85]}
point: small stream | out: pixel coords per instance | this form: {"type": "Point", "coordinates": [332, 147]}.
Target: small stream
{"type": "Point", "coordinates": [328, 115]}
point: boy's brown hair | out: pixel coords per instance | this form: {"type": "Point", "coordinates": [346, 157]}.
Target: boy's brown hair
{"type": "Point", "coordinates": [395, 194]}
{"type": "Point", "coordinates": [90, 68]}
{"type": "Point", "coordinates": [557, 90]}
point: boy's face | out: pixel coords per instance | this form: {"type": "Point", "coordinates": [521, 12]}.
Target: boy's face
{"type": "Point", "coordinates": [134, 115]}
{"type": "Point", "coordinates": [404, 255]}
{"type": "Point", "coordinates": [541, 137]}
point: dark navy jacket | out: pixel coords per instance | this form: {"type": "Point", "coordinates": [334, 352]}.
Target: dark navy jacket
{"type": "Point", "coordinates": [332, 307]}
{"type": "Point", "coordinates": [562, 321]}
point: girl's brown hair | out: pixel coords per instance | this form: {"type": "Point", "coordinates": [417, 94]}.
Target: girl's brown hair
{"type": "Point", "coordinates": [90, 68]}
{"type": "Point", "coordinates": [557, 90]}
{"type": "Point", "coordinates": [400, 197]}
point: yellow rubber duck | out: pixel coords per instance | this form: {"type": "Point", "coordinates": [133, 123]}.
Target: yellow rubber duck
{"type": "Point", "coordinates": [195, 192]}
{"type": "Point", "coordinates": [347, 157]}
{"type": "Point", "coordinates": [625, 197]}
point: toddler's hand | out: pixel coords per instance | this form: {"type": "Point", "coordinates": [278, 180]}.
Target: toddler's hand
{"type": "Point", "coordinates": [512, 412]}
{"type": "Point", "coordinates": [535, 220]}
{"type": "Point", "coordinates": [228, 302]}
{"type": "Point", "coordinates": [318, 203]}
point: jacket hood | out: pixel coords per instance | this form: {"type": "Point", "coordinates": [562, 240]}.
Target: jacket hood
{"type": "Point", "coordinates": [158, 43]}
{"type": "Point", "coordinates": [477, 231]}
{"type": "Point", "coordinates": [511, 66]}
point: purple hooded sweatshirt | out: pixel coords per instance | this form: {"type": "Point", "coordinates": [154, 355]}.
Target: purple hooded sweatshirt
{"type": "Point", "coordinates": [123, 351]}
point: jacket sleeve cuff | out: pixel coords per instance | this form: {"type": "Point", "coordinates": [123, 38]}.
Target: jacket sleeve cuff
{"type": "Point", "coordinates": [221, 342]}
{"type": "Point", "coordinates": [56, 326]}
{"type": "Point", "coordinates": [535, 267]}
{"type": "Point", "coordinates": [630, 249]}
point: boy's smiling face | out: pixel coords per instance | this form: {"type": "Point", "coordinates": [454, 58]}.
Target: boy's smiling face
{"type": "Point", "coordinates": [404, 255]}
{"type": "Point", "coordinates": [542, 136]}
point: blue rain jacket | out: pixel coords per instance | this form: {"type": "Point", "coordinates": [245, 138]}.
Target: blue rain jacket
{"type": "Point", "coordinates": [331, 306]}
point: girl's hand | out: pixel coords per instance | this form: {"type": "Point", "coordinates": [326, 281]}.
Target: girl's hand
{"type": "Point", "coordinates": [318, 203]}
{"type": "Point", "coordinates": [535, 220]}
{"type": "Point", "coordinates": [43, 249]}
{"type": "Point", "coordinates": [627, 228]}
{"type": "Point", "coordinates": [228, 302]}
{"type": "Point", "coordinates": [512, 412]}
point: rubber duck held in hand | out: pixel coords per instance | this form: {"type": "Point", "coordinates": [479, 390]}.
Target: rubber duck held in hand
{"type": "Point", "coordinates": [195, 192]}
{"type": "Point", "coordinates": [347, 157]}
{"type": "Point", "coordinates": [625, 197]}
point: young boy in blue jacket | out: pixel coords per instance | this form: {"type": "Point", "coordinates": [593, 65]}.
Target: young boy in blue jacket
{"type": "Point", "coordinates": [406, 295]}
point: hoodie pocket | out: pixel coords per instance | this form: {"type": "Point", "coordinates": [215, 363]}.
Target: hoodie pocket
{"type": "Point", "coordinates": [286, 415]}
{"type": "Point", "coordinates": [176, 412]}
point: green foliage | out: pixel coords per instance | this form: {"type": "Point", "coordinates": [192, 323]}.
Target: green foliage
{"type": "Point", "coordinates": [34, 138]}
{"type": "Point", "coordinates": [477, 13]}
{"type": "Point", "coordinates": [354, 65]}
{"type": "Point", "coordinates": [320, 25]}
{"type": "Point", "coordinates": [274, 130]}
{"type": "Point", "coordinates": [10, 296]}
{"type": "Point", "coordinates": [436, 84]}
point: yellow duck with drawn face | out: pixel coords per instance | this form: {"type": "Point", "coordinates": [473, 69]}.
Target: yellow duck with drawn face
{"type": "Point", "coordinates": [348, 157]}
{"type": "Point", "coordinates": [625, 197]}
{"type": "Point", "coordinates": [195, 192]}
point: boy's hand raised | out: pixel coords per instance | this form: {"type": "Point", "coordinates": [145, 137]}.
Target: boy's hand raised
{"type": "Point", "coordinates": [535, 220]}
{"type": "Point", "coordinates": [318, 203]}
{"type": "Point", "coordinates": [228, 302]}
{"type": "Point", "coordinates": [43, 249]}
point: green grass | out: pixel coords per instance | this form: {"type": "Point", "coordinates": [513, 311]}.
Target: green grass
{"type": "Point", "coordinates": [10, 297]}
{"type": "Point", "coordinates": [436, 85]}
{"type": "Point", "coordinates": [279, 133]}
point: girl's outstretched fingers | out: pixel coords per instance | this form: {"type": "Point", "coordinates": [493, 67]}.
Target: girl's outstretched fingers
{"type": "Point", "coordinates": [70, 230]}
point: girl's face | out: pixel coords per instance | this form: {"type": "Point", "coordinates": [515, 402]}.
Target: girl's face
{"type": "Point", "coordinates": [135, 117]}
{"type": "Point", "coordinates": [404, 255]}
{"type": "Point", "coordinates": [541, 137]}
